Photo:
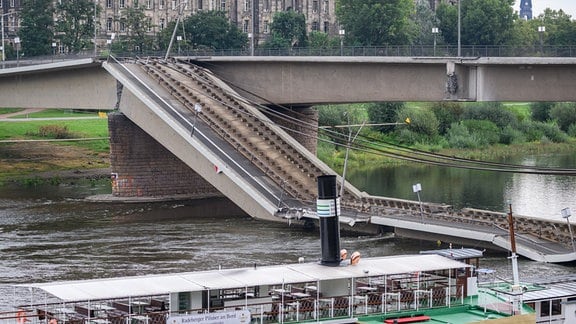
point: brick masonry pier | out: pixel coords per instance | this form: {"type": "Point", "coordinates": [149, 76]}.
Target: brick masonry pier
{"type": "Point", "coordinates": [142, 167]}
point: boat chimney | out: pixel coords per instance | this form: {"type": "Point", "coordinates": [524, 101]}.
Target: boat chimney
{"type": "Point", "coordinates": [328, 209]}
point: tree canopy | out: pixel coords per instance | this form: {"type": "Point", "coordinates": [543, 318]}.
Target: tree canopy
{"type": "Point", "coordinates": [74, 24]}
{"type": "Point", "coordinates": [37, 32]}
{"type": "Point", "coordinates": [288, 29]}
{"type": "Point", "coordinates": [375, 22]}
{"type": "Point", "coordinates": [206, 29]}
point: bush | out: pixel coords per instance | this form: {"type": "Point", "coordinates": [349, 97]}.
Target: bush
{"type": "Point", "coordinates": [536, 131]}
{"type": "Point", "coordinates": [564, 114]}
{"type": "Point", "coordinates": [485, 130]}
{"type": "Point", "coordinates": [53, 131]}
{"type": "Point", "coordinates": [384, 112]}
{"type": "Point", "coordinates": [541, 111]}
{"type": "Point", "coordinates": [422, 121]}
{"type": "Point", "coordinates": [491, 111]}
{"type": "Point", "coordinates": [460, 137]}
{"type": "Point", "coordinates": [572, 130]}
{"type": "Point", "coordinates": [447, 113]}
{"type": "Point", "coordinates": [511, 135]}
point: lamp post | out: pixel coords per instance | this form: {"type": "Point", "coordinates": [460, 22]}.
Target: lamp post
{"type": "Point", "coordinates": [566, 214]}
{"type": "Point", "coordinates": [53, 50]}
{"type": "Point", "coordinates": [17, 43]}
{"type": "Point", "coordinates": [178, 39]}
{"type": "Point", "coordinates": [417, 188]}
{"type": "Point", "coordinates": [435, 32]}
{"type": "Point", "coordinates": [3, 58]}
{"type": "Point", "coordinates": [341, 32]}
{"type": "Point", "coordinates": [541, 30]}
{"type": "Point", "coordinates": [459, 29]}
{"type": "Point", "coordinates": [95, 28]}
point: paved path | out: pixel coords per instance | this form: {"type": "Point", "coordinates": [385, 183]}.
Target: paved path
{"type": "Point", "coordinates": [22, 112]}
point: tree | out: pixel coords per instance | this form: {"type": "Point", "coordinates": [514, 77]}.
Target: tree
{"type": "Point", "coordinates": [75, 24]}
{"type": "Point", "coordinates": [375, 22]}
{"type": "Point", "coordinates": [136, 25]}
{"type": "Point", "coordinates": [564, 114]}
{"type": "Point", "coordinates": [206, 29]}
{"type": "Point", "coordinates": [486, 22]}
{"type": "Point", "coordinates": [423, 20]}
{"type": "Point", "coordinates": [288, 29]}
{"type": "Point", "coordinates": [384, 112]}
{"type": "Point", "coordinates": [560, 28]}
{"type": "Point", "coordinates": [320, 40]}
{"type": "Point", "coordinates": [36, 34]}
{"type": "Point", "coordinates": [483, 22]}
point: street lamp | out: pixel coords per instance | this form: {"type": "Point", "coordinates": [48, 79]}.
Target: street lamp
{"type": "Point", "coordinates": [417, 188]}
{"type": "Point", "coordinates": [53, 50]}
{"type": "Point", "coordinates": [17, 43]}
{"type": "Point", "coordinates": [541, 30]}
{"type": "Point", "coordinates": [566, 214]}
{"type": "Point", "coordinates": [435, 32]}
{"type": "Point", "coordinates": [178, 39]}
{"type": "Point", "coordinates": [341, 32]}
{"type": "Point", "coordinates": [3, 58]}
{"type": "Point", "coordinates": [459, 29]}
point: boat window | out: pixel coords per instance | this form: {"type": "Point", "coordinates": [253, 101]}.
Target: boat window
{"type": "Point", "coordinates": [550, 308]}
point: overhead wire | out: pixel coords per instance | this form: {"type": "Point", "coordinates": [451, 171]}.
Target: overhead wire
{"type": "Point", "coordinates": [375, 146]}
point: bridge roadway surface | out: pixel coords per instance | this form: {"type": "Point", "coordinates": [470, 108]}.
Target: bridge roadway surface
{"type": "Point", "coordinates": [271, 176]}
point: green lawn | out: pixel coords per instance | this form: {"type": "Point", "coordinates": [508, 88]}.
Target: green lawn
{"type": "Point", "coordinates": [59, 113]}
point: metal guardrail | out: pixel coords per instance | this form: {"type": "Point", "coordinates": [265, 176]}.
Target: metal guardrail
{"type": "Point", "coordinates": [359, 51]}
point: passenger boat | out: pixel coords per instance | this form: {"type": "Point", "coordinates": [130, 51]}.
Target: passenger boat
{"type": "Point", "coordinates": [430, 287]}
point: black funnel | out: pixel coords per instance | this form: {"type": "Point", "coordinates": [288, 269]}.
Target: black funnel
{"type": "Point", "coordinates": [328, 208]}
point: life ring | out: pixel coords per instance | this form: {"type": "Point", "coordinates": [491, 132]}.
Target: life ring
{"type": "Point", "coordinates": [21, 316]}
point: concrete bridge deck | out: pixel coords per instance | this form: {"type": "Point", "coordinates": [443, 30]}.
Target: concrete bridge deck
{"type": "Point", "coordinates": [261, 168]}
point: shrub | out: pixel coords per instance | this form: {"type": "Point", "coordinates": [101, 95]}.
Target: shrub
{"type": "Point", "coordinates": [511, 135]}
{"type": "Point", "coordinates": [536, 131]}
{"type": "Point", "coordinates": [460, 137]}
{"type": "Point", "coordinates": [422, 121]}
{"type": "Point", "coordinates": [491, 111]}
{"type": "Point", "coordinates": [54, 131]}
{"type": "Point", "coordinates": [572, 130]}
{"type": "Point", "coordinates": [447, 113]}
{"type": "Point", "coordinates": [541, 111]}
{"type": "Point", "coordinates": [485, 130]}
{"type": "Point", "coordinates": [564, 114]}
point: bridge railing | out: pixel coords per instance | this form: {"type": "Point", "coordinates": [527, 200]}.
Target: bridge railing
{"type": "Point", "coordinates": [389, 50]}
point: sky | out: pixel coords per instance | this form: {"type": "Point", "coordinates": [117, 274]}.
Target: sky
{"type": "Point", "coordinates": [538, 6]}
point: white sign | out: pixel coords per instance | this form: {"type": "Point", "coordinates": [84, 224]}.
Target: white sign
{"type": "Point", "coordinates": [233, 317]}
{"type": "Point", "coordinates": [417, 187]}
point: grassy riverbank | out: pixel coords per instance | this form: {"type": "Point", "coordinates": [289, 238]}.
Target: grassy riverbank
{"type": "Point", "coordinates": [62, 144]}
{"type": "Point", "coordinates": [52, 143]}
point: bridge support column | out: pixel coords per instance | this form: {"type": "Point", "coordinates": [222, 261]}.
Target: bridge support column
{"type": "Point", "coordinates": [142, 167]}
{"type": "Point", "coordinates": [305, 129]}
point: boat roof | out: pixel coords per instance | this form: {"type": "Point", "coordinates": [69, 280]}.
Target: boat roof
{"type": "Point", "coordinates": [557, 287]}
{"type": "Point", "coordinates": [456, 254]}
{"type": "Point", "coordinates": [123, 287]}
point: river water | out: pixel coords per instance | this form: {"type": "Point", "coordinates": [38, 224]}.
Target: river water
{"type": "Point", "coordinates": [51, 233]}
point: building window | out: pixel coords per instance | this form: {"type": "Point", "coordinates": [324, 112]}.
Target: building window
{"type": "Point", "coordinates": [122, 3]}
{"type": "Point", "coordinates": [266, 5]}
{"type": "Point", "coordinates": [108, 3]}
{"type": "Point", "coordinates": [326, 27]}
{"type": "Point", "coordinates": [136, 4]}
{"type": "Point", "coordinates": [162, 4]}
{"type": "Point", "coordinates": [245, 26]}
{"type": "Point", "coordinates": [12, 4]}
{"type": "Point", "coordinates": [266, 26]}
{"type": "Point", "coordinates": [315, 6]}
{"type": "Point", "coordinates": [162, 23]}
{"type": "Point", "coordinates": [326, 4]}
{"type": "Point", "coordinates": [200, 5]}
{"type": "Point", "coordinates": [109, 24]}
{"type": "Point", "coordinates": [148, 4]}
{"type": "Point", "coordinates": [223, 5]}
{"type": "Point", "coordinates": [247, 5]}
{"type": "Point", "coordinates": [315, 26]}
{"type": "Point", "coordinates": [173, 5]}
{"type": "Point", "coordinates": [122, 26]}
